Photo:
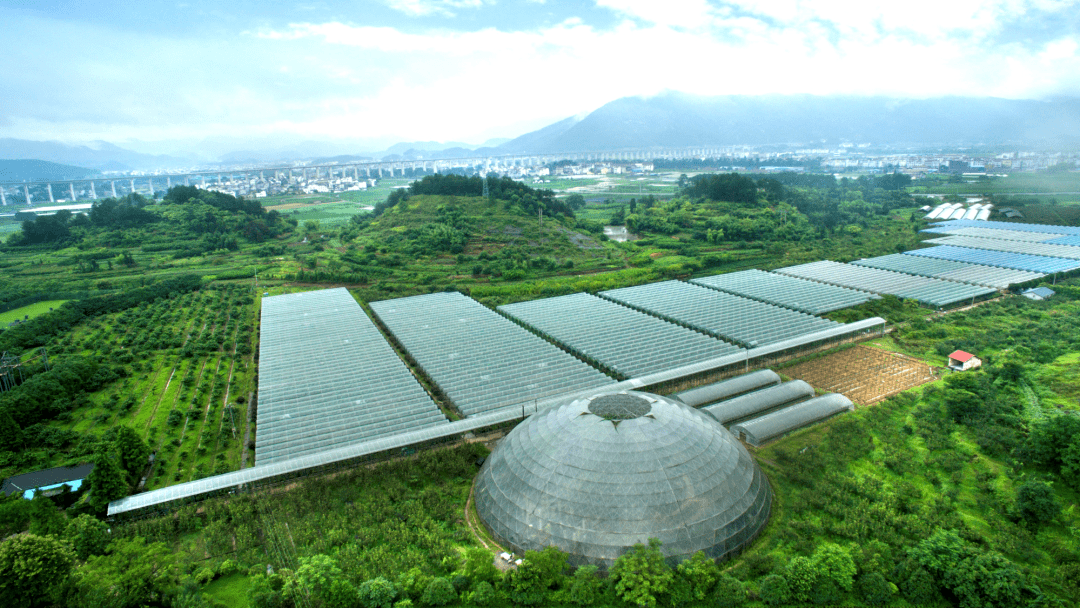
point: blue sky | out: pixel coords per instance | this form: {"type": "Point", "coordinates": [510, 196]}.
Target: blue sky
{"type": "Point", "coordinates": [160, 74]}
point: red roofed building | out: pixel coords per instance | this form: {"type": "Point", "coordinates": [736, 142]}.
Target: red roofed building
{"type": "Point", "coordinates": [961, 361]}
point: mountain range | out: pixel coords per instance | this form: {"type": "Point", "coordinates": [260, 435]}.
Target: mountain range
{"type": "Point", "coordinates": [679, 120]}
{"type": "Point", "coordinates": [670, 119]}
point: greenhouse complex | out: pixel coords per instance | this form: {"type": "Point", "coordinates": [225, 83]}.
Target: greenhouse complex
{"type": "Point", "coordinates": [577, 383]}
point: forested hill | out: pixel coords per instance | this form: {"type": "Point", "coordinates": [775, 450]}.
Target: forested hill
{"type": "Point", "coordinates": [678, 120]}
{"type": "Point", "coordinates": [190, 219]}
{"type": "Point", "coordinates": [31, 170]}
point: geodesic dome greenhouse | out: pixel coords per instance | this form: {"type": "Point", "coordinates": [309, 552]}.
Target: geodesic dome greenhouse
{"type": "Point", "coordinates": [596, 475]}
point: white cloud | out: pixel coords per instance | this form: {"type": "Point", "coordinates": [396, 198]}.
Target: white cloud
{"type": "Point", "coordinates": [334, 79]}
{"type": "Point", "coordinates": [423, 8]}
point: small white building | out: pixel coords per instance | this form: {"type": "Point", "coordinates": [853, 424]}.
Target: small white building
{"type": "Point", "coordinates": [1038, 293]}
{"type": "Point", "coordinates": [961, 361]}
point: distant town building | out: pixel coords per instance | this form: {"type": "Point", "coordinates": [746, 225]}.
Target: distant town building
{"type": "Point", "coordinates": [961, 361]}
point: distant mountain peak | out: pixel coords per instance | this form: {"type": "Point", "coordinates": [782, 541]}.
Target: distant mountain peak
{"type": "Point", "coordinates": [676, 119]}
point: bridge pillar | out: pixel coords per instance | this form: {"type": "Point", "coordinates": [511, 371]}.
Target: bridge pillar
{"type": "Point", "coordinates": [3, 197]}
{"type": "Point", "coordinates": [93, 193]}
{"type": "Point", "coordinates": [132, 186]}
{"type": "Point", "coordinates": [26, 193]}
{"type": "Point", "coordinates": [48, 187]}
{"type": "Point", "coordinates": [71, 186]}
{"type": "Point", "coordinates": [150, 183]}
{"type": "Point", "coordinates": [168, 182]}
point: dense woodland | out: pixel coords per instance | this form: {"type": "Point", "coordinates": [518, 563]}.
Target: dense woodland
{"type": "Point", "coordinates": [960, 493]}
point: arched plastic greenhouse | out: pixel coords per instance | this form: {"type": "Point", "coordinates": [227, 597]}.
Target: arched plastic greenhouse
{"type": "Point", "coordinates": [596, 475]}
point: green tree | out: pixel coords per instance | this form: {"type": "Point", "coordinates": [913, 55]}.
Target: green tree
{"type": "Point", "coordinates": [1036, 503]}
{"type": "Point", "coordinates": [377, 593]}
{"type": "Point", "coordinates": [641, 575]}
{"type": "Point", "coordinates": [919, 588]}
{"type": "Point", "coordinates": [439, 592]}
{"type": "Point", "coordinates": [875, 589]}
{"type": "Point", "coordinates": [132, 450]}
{"type": "Point", "coordinates": [802, 577]}
{"type": "Point", "coordinates": [265, 591]}
{"type": "Point", "coordinates": [45, 517]}
{"type": "Point", "coordinates": [483, 594]}
{"type": "Point", "coordinates": [701, 572]}
{"type": "Point", "coordinates": [480, 565]}
{"type": "Point", "coordinates": [575, 201]}
{"type": "Point", "coordinates": [586, 586]}
{"type": "Point", "coordinates": [834, 563]}
{"type": "Point", "coordinates": [34, 570]}
{"type": "Point", "coordinates": [320, 577]}
{"type": "Point", "coordinates": [730, 592]}
{"type": "Point", "coordinates": [10, 434]}
{"type": "Point", "coordinates": [538, 573]}
{"type": "Point", "coordinates": [87, 535]}
{"type": "Point", "coordinates": [774, 590]}
{"type": "Point", "coordinates": [132, 573]}
{"type": "Point", "coordinates": [107, 479]}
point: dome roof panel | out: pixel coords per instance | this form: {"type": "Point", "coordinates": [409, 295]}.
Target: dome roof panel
{"type": "Point", "coordinates": [595, 475]}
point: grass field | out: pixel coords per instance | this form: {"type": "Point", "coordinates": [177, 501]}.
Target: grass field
{"type": "Point", "coordinates": [1015, 183]}
{"type": "Point", "coordinates": [30, 311]}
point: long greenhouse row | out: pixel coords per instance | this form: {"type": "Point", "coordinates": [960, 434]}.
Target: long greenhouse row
{"type": "Point", "coordinates": [995, 233]}
{"type": "Point", "coordinates": [747, 322]}
{"type": "Point", "coordinates": [1043, 249]}
{"type": "Point", "coordinates": [1002, 259]}
{"type": "Point", "coordinates": [790, 292]}
{"type": "Point", "coordinates": [479, 359]}
{"type": "Point", "coordinates": [622, 339]}
{"type": "Point", "coordinates": [328, 378]}
{"type": "Point", "coordinates": [769, 410]}
{"type": "Point", "coordinates": [1040, 228]}
{"type": "Point", "coordinates": [949, 270]}
{"type": "Point", "coordinates": [934, 292]}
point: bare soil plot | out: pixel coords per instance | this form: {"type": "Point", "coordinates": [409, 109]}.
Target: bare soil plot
{"type": "Point", "coordinates": [864, 375]}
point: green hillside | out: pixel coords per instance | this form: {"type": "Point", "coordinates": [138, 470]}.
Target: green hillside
{"type": "Point", "coordinates": [34, 170]}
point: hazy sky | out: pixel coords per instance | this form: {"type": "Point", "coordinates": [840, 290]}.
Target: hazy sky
{"type": "Point", "coordinates": [469, 70]}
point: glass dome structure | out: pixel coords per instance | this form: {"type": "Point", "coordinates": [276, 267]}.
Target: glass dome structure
{"type": "Point", "coordinates": [598, 474]}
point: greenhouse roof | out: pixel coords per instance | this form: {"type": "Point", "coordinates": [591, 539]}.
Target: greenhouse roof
{"type": "Point", "coordinates": [750, 404]}
{"type": "Point", "coordinates": [1047, 229]}
{"type": "Point", "coordinates": [951, 270]}
{"type": "Point", "coordinates": [478, 358]}
{"type": "Point", "coordinates": [327, 378]}
{"type": "Point", "coordinates": [1043, 249]}
{"type": "Point", "coordinates": [934, 292]}
{"type": "Point", "coordinates": [596, 475]}
{"type": "Point", "coordinates": [1073, 240]}
{"type": "Point", "coordinates": [781, 422]}
{"type": "Point", "coordinates": [995, 233]}
{"type": "Point", "coordinates": [742, 320]}
{"type": "Point", "coordinates": [1003, 259]}
{"type": "Point", "coordinates": [718, 391]}
{"type": "Point", "coordinates": [619, 338]}
{"type": "Point", "coordinates": [790, 292]}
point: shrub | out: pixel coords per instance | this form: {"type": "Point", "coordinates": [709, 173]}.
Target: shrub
{"type": "Point", "coordinates": [774, 590]}
{"type": "Point", "coordinates": [376, 593]}
{"type": "Point", "coordinates": [439, 592]}
{"type": "Point", "coordinates": [730, 592]}
{"type": "Point", "coordinates": [875, 590]}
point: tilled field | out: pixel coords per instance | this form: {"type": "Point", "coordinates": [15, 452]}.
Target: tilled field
{"type": "Point", "coordinates": [864, 375]}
